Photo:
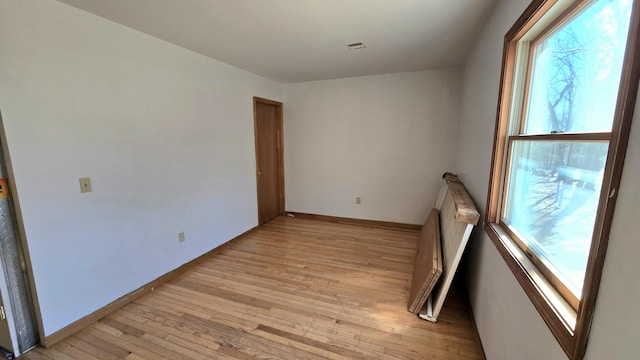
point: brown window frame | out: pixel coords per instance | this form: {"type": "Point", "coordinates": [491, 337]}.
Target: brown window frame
{"type": "Point", "coordinates": [568, 319]}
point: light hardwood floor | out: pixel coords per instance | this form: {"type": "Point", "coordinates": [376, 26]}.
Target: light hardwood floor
{"type": "Point", "coordinates": [294, 289]}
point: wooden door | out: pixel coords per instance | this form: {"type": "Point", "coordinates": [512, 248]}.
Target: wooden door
{"type": "Point", "coordinates": [269, 158]}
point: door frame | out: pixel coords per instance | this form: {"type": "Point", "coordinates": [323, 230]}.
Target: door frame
{"type": "Point", "coordinates": [279, 149]}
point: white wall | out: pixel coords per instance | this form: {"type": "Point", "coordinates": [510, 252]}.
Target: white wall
{"type": "Point", "coordinates": [509, 325]}
{"type": "Point", "coordinates": [166, 136]}
{"type": "Point", "coordinates": [387, 139]}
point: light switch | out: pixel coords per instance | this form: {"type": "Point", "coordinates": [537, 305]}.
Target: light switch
{"type": "Point", "coordinates": [85, 185]}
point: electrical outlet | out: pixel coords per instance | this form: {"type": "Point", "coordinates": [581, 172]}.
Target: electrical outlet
{"type": "Point", "coordinates": [358, 200]}
{"type": "Point", "coordinates": [85, 185]}
{"type": "Point", "coordinates": [181, 237]}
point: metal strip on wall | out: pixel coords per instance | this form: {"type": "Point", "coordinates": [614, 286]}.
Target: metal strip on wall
{"type": "Point", "coordinates": [15, 269]}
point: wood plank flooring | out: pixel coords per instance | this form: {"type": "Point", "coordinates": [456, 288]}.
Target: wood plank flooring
{"type": "Point", "coordinates": [294, 289]}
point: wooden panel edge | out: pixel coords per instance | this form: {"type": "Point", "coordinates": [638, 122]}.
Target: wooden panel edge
{"type": "Point", "coordinates": [465, 208]}
{"type": "Point", "coordinates": [83, 322]}
{"type": "Point", "coordinates": [359, 222]}
{"type": "Point", "coordinates": [425, 277]}
{"type": "Point", "coordinates": [438, 265]}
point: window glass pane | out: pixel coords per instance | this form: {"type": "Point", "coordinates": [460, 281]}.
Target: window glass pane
{"type": "Point", "coordinates": [576, 71]}
{"type": "Point", "coordinates": [552, 199]}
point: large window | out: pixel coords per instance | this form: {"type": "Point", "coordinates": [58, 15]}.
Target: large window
{"type": "Point", "coordinates": [569, 85]}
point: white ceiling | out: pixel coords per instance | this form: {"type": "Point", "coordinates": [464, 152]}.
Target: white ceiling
{"type": "Point", "coordinates": [304, 40]}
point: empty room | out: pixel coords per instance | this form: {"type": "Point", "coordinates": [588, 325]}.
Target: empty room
{"type": "Point", "coordinates": [319, 179]}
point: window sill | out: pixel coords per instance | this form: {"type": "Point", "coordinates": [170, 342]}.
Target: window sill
{"type": "Point", "coordinates": [554, 309]}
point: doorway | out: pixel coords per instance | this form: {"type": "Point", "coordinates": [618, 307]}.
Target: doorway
{"type": "Point", "coordinates": [267, 115]}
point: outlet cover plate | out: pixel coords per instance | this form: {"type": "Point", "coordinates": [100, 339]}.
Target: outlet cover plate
{"type": "Point", "coordinates": [85, 185]}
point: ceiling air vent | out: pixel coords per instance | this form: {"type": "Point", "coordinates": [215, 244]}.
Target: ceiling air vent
{"type": "Point", "coordinates": [356, 46]}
